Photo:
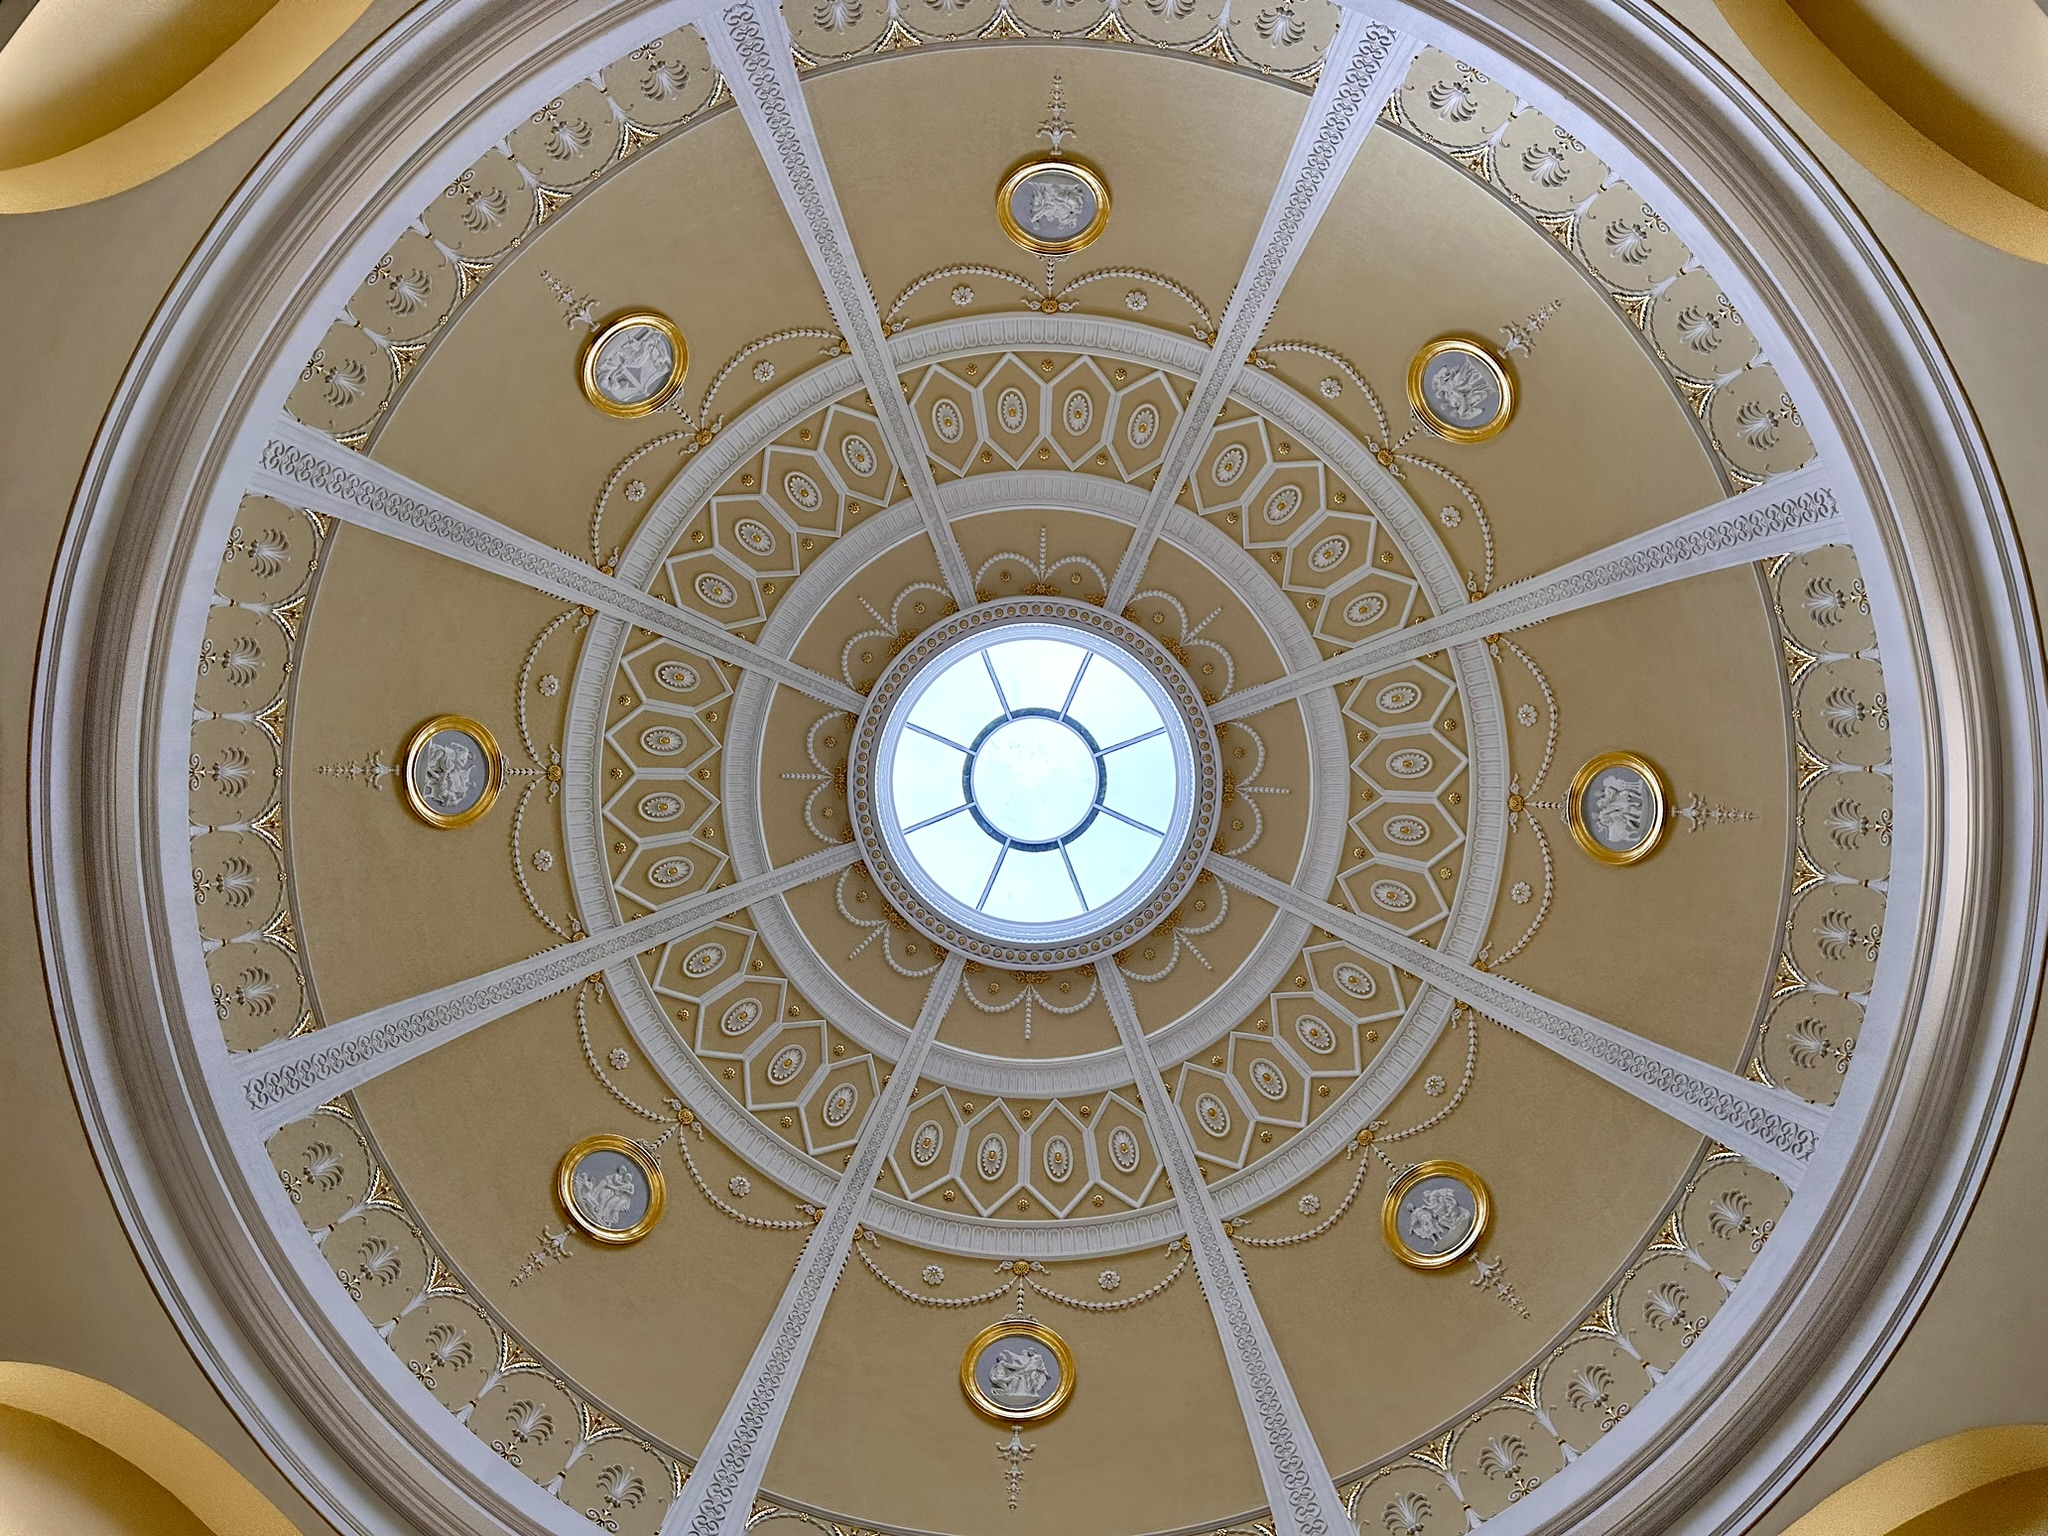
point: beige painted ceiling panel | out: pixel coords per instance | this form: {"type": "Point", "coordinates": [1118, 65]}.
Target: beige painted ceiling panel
{"type": "Point", "coordinates": [918, 142]}
{"type": "Point", "coordinates": [1381, 1354]}
{"type": "Point", "coordinates": [1411, 249]}
{"type": "Point", "coordinates": [495, 416]}
{"type": "Point", "coordinates": [389, 906]}
{"type": "Point", "coordinates": [1681, 946]}
{"type": "Point", "coordinates": [1152, 1438]}
{"type": "Point", "coordinates": [659, 1331]}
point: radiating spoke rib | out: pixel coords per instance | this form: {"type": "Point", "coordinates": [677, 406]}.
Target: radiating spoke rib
{"type": "Point", "coordinates": [1768, 1126]}
{"type": "Point", "coordinates": [290, 1078]}
{"type": "Point", "coordinates": [719, 1496]}
{"type": "Point", "coordinates": [1793, 512]}
{"type": "Point", "coordinates": [305, 468]}
{"type": "Point", "coordinates": [1365, 63]}
{"type": "Point", "coordinates": [1298, 1486]}
{"type": "Point", "coordinates": [750, 44]}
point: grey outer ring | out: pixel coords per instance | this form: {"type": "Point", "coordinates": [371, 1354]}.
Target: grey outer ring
{"type": "Point", "coordinates": [1845, 1274]}
{"type": "Point", "coordinates": [1194, 752]}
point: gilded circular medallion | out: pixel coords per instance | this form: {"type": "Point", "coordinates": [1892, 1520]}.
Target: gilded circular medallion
{"type": "Point", "coordinates": [1460, 390]}
{"type": "Point", "coordinates": [1053, 205]}
{"type": "Point", "coordinates": [634, 364]}
{"type": "Point", "coordinates": [1435, 1214]}
{"type": "Point", "coordinates": [1017, 1371]}
{"type": "Point", "coordinates": [1619, 808]}
{"type": "Point", "coordinates": [451, 771]}
{"type": "Point", "coordinates": [610, 1188]}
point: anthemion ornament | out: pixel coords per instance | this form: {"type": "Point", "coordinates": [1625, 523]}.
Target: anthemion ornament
{"type": "Point", "coordinates": [1435, 1214]}
{"type": "Point", "coordinates": [633, 364]}
{"type": "Point", "coordinates": [452, 771]}
{"type": "Point", "coordinates": [611, 1188]}
{"type": "Point", "coordinates": [1055, 203]}
{"type": "Point", "coordinates": [1017, 1372]}
{"type": "Point", "coordinates": [1460, 390]}
{"type": "Point", "coordinates": [1619, 808]}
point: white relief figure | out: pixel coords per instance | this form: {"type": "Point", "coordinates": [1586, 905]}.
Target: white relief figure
{"type": "Point", "coordinates": [1020, 1378]}
{"type": "Point", "coordinates": [1437, 1218]}
{"type": "Point", "coordinates": [447, 769]}
{"type": "Point", "coordinates": [605, 1200]}
{"type": "Point", "coordinates": [1620, 809]}
{"type": "Point", "coordinates": [634, 366]}
{"type": "Point", "coordinates": [1058, 206]}
{"type": "Point", "coordinates": [1462, 390]}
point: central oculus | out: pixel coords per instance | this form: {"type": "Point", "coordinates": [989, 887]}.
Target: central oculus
{"type": "Point", "coordinates": [1034, 781]}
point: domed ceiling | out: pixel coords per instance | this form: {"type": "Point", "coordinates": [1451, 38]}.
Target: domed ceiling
{"type": "Point", "coordinates": [1032, 767]}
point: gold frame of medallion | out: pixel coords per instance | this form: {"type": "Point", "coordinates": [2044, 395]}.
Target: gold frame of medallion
{"type": "Point", "coordinates": [1471, 347]}
{"type": "Point", "coordinates": [1390, 1212]}
{"type": "Point", "coordinates": [493, 758]}
{"type": "Point", "coordinates": [588, 361]}
{"type": "Point", "coordinates": [657, 1188]}
{"type": "Point", "coordinates": [1016, 1327]}
{"type": "Point", "coordinates": [1019, 235]}
{"type": "Point", "coordinates": [1582, 781]}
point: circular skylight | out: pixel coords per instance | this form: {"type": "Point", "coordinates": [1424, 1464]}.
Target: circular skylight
{"type": "Point", "coordinates": [1034, 782]}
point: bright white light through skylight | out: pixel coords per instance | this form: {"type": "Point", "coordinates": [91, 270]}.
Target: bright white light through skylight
{"type": "Point", "coordinates": [1033, 781]}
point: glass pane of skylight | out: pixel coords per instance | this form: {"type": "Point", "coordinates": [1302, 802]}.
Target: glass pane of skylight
{"type": "Point", "coordinates": [925, 778]}
{"type": "Point", "coordinates": [1112, 706]}
{"type": "Point", "coordinates": [956, 854]}
{"type": "Point", "coordinates": [1036, 674]}
{"type": "Point", "coordinates": [1141, 781]}
{"type": "Point", "coordinates": [1034, 779]}
{"type": "Point", "coordinates": [1000, 749]}
{"type": "Point", "coordinates": [1109, 856]}
{"type": "Point", "coordinates": [960, 701]}
{"type": "Point", "coordinates": [1032, 888]}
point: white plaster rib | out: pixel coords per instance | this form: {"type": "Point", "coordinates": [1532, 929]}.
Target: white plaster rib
{"type": "Point", "coordinates": [718, 1498]}
{"type": "Point", "coordinates": [1299, 1489]}
{"type": "Point", "coordinates": [304, 468]}
{"type": "Point", "coordinates": [1365, 63]}
{"type": "Point", "coordinates": [290, 1078]}
{"type": "Point", "coordinates": [751, 46]}
{"type": "Point", "coordinates": [1770, 1127]}
{"type": "Point", "coordinates": [1792, 512]}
